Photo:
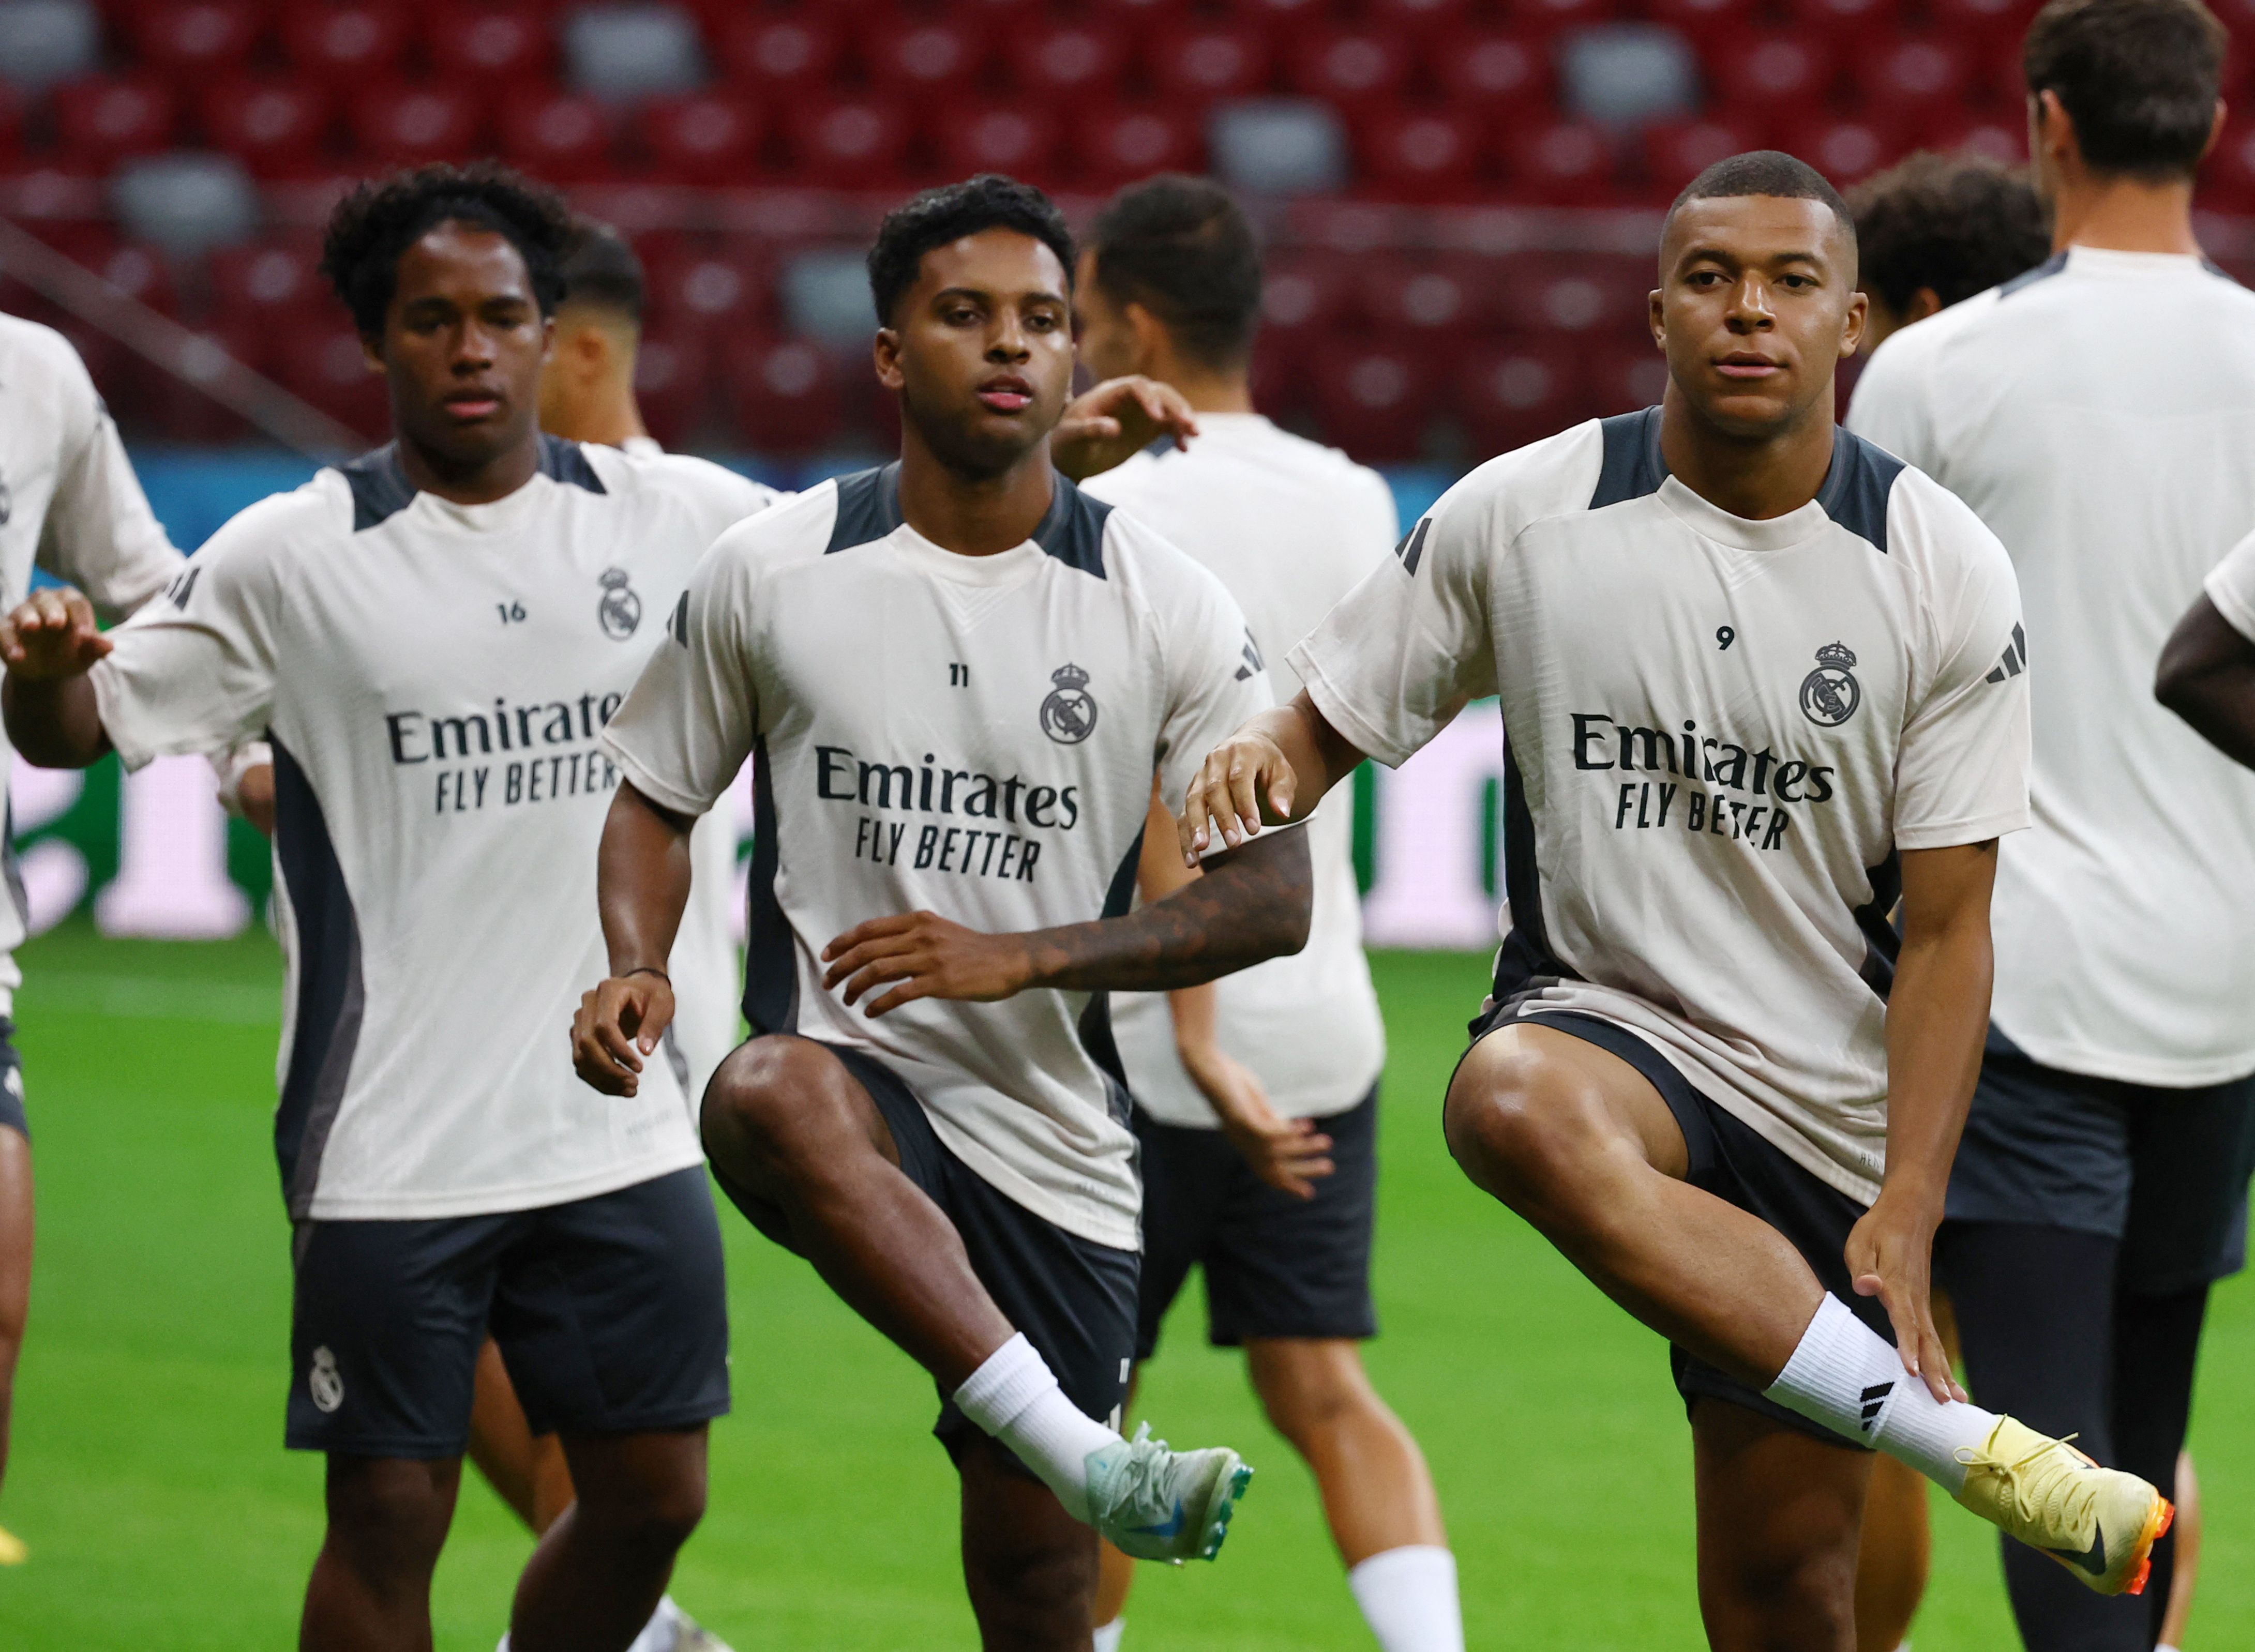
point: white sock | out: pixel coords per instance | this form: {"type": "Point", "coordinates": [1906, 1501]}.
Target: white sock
{"type": "Point", "coordinates": [1847, 1376]}
{"type": "Point", "coordinates": [1107, 1635]}
{"type": "Point", "coordinates": [1408, 1597]}
{"type": "Point", "coordinates": [1015, 1396]}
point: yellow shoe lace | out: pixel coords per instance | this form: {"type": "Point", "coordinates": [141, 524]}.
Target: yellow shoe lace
{"type": "Point", "coordinates": [2055, 1495]}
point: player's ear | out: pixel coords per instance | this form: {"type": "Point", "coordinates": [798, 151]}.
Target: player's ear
{"type": "Point", "coordinates": [886, 355]}
{"type": "Point", "coordinates": [371, 351]}
{"type": "Point", "coordinates": [1656, 314]}
{"type": "Point", "coordinates": [1153, 342]}
{"type": "Point", "coordinates": [1851, 326]}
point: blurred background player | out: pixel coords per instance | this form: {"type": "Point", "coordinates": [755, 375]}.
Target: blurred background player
{"type": "Point", "coordinates": [1256, 1097]}
{"type": "Point", "coordinates": [2096, 413]}
{"type": "Point", "coordinates": [71, 507]}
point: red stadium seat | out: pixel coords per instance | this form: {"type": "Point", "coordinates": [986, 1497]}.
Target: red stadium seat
{"type": "Point", "coordinates": [792, 51]}
{"type": "Point", "coordinates": [11, 126]}
{"type": "Point", "coordinates": [1304, 296]}
{"type": "Point", "coordinates": [1760, 73]}
{"type": "Point", "coordinates": [489, 43]}
{"type": "Point", "coordinates": [671, 382]}
{"type": "Point", "coordinates": [278, 125]}
{"type": "Point", "coordinates": [1006, 138]}
{"type": "Point", "coordinates": [2000, 133]}
{"type": "Point", "coordinates": [1136, 14]}
{"type": "Point", "coordinates": [1564, 164]}
{"type": "Point", "coordinates": [2227, 179]}
{"type": "Point", "coordinates": [707, 138]}
{"type": "Point", "coordinates": [1071, 58]}
{"type": "Point", "coordinates": [1995, 19]}
{"type": "Point", "coordinates": [1695, 18]}
{"type": "Point", "coordinates": [695, 292]}
{"type": "Point", "coordinates": [169, 403]}
{"type": "Point", "coordinates": [786, 395]}
{"type": "Point", "coordinates": [406, 123]}
{"type": "Point", "coordinates": [559, 136]}
{"type": "Point", "coordinates": [1418, 15]}
{"type": "Point", "coordinates": [104, 117]}
{"type": "Point", "coordinates": [1577, 293]}
{"type": "Point", "coordinates": [1508, 395]}
{"type": "Point", "coordinates": [1628, 376]}
{"type": "Point", "coordinates": [329, 368]}
{"type": "Point", "coordinates": [1373, 400]}
{"type": "Point", "coordinates": [1482, 67]}
{"type": "Point", "coordinates": [190, 37]}
{"type": "Point", "coordinates": [1123, 143]}
{"type": "Point", "coordinates": [847, 142]}
{"type": "Point", "coordinates": [1547, 16]}
{"type": "Point", "coordinates": [1852, 23]}
{"type": "Point", "coordinates": [920, 53]}
{"type": "Point", "coordinates": [1914, 75]}
{"type": "Point", "coordinates": [1434, 297]}
{"type": "Point", "coordinates": [1847, 151]}
{"type": "Point", "coordinates": [1347, 66]}
{"type": "Point", "coordinates": [346, 44]}
{"type": "Point", "coordinates": [1420, 154]}
{"type": "Point", "coordinates": [261, 281]}
{"type": "Point", "coordinates": [1295, 12]}
{"type": "Point", "coordinates": [140, 272]}
{"type": "Point", "coordinates": [1677, 151]}
{"type": "Point", "coordinates": [1210, 61]}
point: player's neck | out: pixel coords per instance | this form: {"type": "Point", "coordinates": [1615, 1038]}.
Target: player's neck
{"type": "Point", "coordinates": [479, 483]}
{"type": "Point", "coordinates": [1755, 477]}
{"type": "Point", "coordinates": [2123, 214]}
{"type": "Point", "coordinates": [606, 415]}
{"type": "Point", "coordinates": [1207, 390]}
{"type": "Point", "coordinates": [974, 514]}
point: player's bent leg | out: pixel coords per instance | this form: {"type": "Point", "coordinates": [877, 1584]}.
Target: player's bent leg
{"type": "Point", "coordinates": [370, 1590]}
{"type": "Point", "coordinates": [526, 1470]}
{"type": "Point", "coordinates": [598, 1573]}
{"type": "Point", "coordinates": [1029, 1567]}
{"type": "Point", "coordinates": [1781, 1512]}
{"type": "Point", "coordinates": [1891, 1565]}
{"type": "Point", "coordinates": [16, 1232]}
{"type": "Point", "coordinates": [1378, 1494]}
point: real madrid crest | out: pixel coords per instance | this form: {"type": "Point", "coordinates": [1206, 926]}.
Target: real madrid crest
{"type": "Point", "coordinates": [1068, 715]}
{"type": "Point", "coordinates": [325, 1381]}
{"type": "Point", "coordinates": [621, 610]}
{"type": "Point", "coordinates": [1831, 694]}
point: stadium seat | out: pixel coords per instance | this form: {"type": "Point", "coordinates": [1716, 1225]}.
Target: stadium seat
{"type": "Point", "coordinates": [1573, 293]}
{"type": "Point", "coordinates": [1998, 132]}
{"type": "Point", "coordinates": [1121, 142]}
{"type": "Point", "coordinates": [275, 283]}
{"type": "Point", "coordinates": [329, 368]}
{"type": "Point", "coordinates": [1481, 67]}
{"type": "Point", "coordinates": [1758, 75]}
{"type": "Point", "coordinates": [1519, 391]}
{"type": "Point", "coordinates": [786, 395]}
{"type": "Point", "coordinates": [1136, 14]}
{"type": "Point", "coordinates": [1915, 76]}
{"type": "Point", "coordinates": [1419, 17]}
{"type": "Point", "coordinates": [1847, 151]}
{"type": "Point", "coordinates": [105, 117]}
{"type": "Point", "coordinates": [1546, 18]}
{"type": "Point", "coordinates": [1420, 154]}
{"type": "Point", "coordinates": [406, 124]}
{"type": "Point", "coordinates": [489, 42]}
{"type": "Point", "coordinates": [1991, 19]}
{"type": "Point", "coordinates": [1278, 146]}
{"type": "Point", "coordinates": [1278, 372]}
{"type": "Point", "coordinates": [1305, 295]}
{"type": "Point", "coordinates": [671, 380]}
{"type": "Point", "coordinates": [1351, 67]}
{"type": "Point", "coordinates": [1209, 61]}
{"type": "Point", "coordinates": [1562, 163]}
{"type": "Point", "coordinates": [703, 293]}
{"type": "Point", "coordinates": [1370, 399]}
{"type": "Point", "coordinates": [344, 45]}
{"type": "Point", "coordinates": [1852, 23]}
{"type": "Point", "coordinates": [276, 125]}
{"type": "Point", "coordinates": [188, 38]}
{"type": "Point", "coordinates": [1623, 75]}
{"type": "Point", "coordinates": [11, 126]}
{"type": "Point", "coordinates": [847, 143]}
{"type": "Point", "coordinates": [1677, 151]}
{"type": "Point", "coordinates": [624, 53]}
{"type": "Point", "coordinates": [170, 402]}
{"type": "Point", "coordinates": [2227, 181]}
{"type": "Point", "coordinates": [1421, 299]}
{"type": "Point", "coordinates": [792, 51]}
{"type": "Point", "coordinates": [1298, 13]}
{"type": "Point", "coordinates": [43, 44]}
{"type": "Point", "coordinates": [1021, 141]}
{"type": "Point", "coordinates": [563, 137]}
{"type": "Point", "coordinates": [1066, 59]}
{"type": "Point", "coordinates": [922, 54]}
{"type": "Point", "coordinates": [707, 138]}
{"type": "Point", "coordinates": [1700, 19]}
{"type": "Point", "coordinates": [1627, 376]}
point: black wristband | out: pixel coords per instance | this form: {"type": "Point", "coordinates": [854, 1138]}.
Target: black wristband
{"type": "Point", "coordinates": [649, 968]}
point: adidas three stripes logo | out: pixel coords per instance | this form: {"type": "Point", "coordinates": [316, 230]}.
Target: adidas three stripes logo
{"type": "Point", "coordinates": [1875, 1400]}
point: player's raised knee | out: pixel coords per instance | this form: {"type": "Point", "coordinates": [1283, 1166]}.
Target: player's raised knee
{"type": "Point", "coordinates": [762, 1103]}
{"type": "Point", "coordinates": [1515, 1123]}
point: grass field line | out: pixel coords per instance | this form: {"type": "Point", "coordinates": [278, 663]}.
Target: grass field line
{"type": "Point", "coordinates": [154, 997]}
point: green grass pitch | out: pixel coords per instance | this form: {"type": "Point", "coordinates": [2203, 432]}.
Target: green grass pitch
{"type": "Point", "coordinates": [161, 1510]}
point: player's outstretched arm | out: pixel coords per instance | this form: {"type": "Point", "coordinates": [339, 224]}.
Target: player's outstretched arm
{"type": "Point", "coordinates": [1937, 1019]}
{"type": "Point", "coordinates": [642, 884]}
{"type": "Point", "coordinates": [1275, 769]}
{"type": "Point", "coordinates": [48, 645]}
{"type": "Point", "coordinates": [2207, 677]}
{"type": "Point", "coordinates": [1112, 423]}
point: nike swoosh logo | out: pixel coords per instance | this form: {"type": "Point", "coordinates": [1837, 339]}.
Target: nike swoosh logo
{"type": "Point", "coordinates": [2094, 1563]}
{"type": "Point", "coordinates": [1169, 1530]}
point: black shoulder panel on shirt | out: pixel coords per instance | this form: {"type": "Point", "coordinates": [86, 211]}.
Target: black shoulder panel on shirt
{"type": "Point", "coordinates": [868, 507]}
{"type": "Point", "coordinates": [2050, 266]}
{"type": "Point", "coordinates": [379, 484]}
{"type": "Point", "coordinates": [1072, 531]}
{"type": "Point", "coordinates": [563, 461]}
{"type": "Point", "coordinates": [1856, 488]}
{"type": "Point", "coordinates": [1632, 465]}
{"type": "Point", "coordinates": [330, 997]}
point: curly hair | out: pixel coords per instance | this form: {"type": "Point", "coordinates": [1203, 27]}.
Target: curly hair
{"type": "Point", "coordinates": [1958, 224]}
{"type": "Point", "coordinates": [379, 220]}
{"type": "Point", "coordinates": [938, 216]}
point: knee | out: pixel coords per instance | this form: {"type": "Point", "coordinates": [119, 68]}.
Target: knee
{"type": "Point", "coordinates": [390, 1514]}
{"type": "Point", "coordinates": [748, 1118]}
{"type": "Point", "coordinates": [1311, 1392]}
{"type": "Point", "coordinates": [1514, 1137]}
{"type": "Point", "coordinates": [1796, 1591]}
{"type": "Point", "coordinates": [650, 1517]}
{"type": "Point", "coordinates": [1037, 1594]}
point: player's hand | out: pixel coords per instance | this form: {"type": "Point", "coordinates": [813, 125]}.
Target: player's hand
{"type": "Point", "coordinates": [1890, 1255]}
{"type": "Point", "coordinates": [1111, 423]}
{"type": "Point", "coordinates": [617, 1026]}
{"type": "Point", "coordinates": [930, 957]}
{"type": "Point", "coordinates": [1245, 773]}
{"type": "Point", "coordinates": [1287, 1153]}
{"type": "Point", "coordinates": [51, 635]}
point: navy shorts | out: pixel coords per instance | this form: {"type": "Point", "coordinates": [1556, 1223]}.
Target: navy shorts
{"type": "Point", "coordinates": [1739, 1167]}
{"type": "Point", "coordinates": [1275, 1266]}
{"type": "Point", "coordinates": [609, 1311]}
{"type": "Point", "coordinates": [11, 1082]}
{"type": "Point", "coordinates": [1071, 1298]}
{"type": "Point", "coordinates": [2163, 1171]}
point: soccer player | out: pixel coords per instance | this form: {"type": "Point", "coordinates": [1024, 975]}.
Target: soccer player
{"type": "Point", "coordinates": [71, 506]}
{"type": "Point", "coordinates": [1256, 1097]}
{"type": "Point", "coordinates": [1749, 671]}
{"type": "Point", "coordinates": [2096, 413]}
{"type": "Point", "coordinates": [434, 635]}
{"type": "Point", "coordinates": [1933, 230]}
{"type": "Point", "coordinates": [957, 675]}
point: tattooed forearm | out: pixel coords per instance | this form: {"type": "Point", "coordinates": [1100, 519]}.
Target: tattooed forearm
{"type": "Point", "coordinates": [1250, 905]}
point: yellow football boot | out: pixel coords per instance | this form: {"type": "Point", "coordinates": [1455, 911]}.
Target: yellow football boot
{"type": "Point", "coordinates": [2100, 1523]}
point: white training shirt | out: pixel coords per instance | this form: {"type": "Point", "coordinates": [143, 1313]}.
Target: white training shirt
{"type": "Point", "coordinates": [433, 678]}
{"type": "Point", "coordinates": [2231, 586]}
{"type": "Point", "coordinates": [70, 505]}
{"type": "Point", "coordinates": [1290, 527]}
{"type": "Point", "coordinates": [974, 736]}
{"type": "Point", "coordinates": [2098, 414]}
{"type": "Point", "coordinates": [1720, 733]}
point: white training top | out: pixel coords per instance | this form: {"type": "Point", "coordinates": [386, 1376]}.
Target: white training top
{"type": "Point", "coordinates": [1720, 733]}
{"type": "Point", "coordinates": [2231, 586]}
{"type": "Point", "coordinates": [1290, 527]}
{"type": "Point", "coordinates": [70, 504]}
{"type": "Point", "coordinates": [974, 736]}
{"type": "Point", "coordinates": [432, 678]}
{"type": "Point", "coordinates": [2098, 414]}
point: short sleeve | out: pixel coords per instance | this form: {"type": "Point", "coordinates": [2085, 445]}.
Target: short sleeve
{"type": "Point", "coordinates": [1961, 764]}
{"type": "Point", "coordinates": [2231, 586]}
{"type": "Point", "coordinates": [689, 724]}
{"type": "Point", "coordinates": [99, 534]}
{"type": "Point", "coordinates": [1403, 651]}
{"type": "Point", "coordinates": [192, 671]}
{"type": "Point", "coordinates": [1216, 678]}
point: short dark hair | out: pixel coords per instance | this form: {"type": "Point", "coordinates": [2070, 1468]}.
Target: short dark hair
{"type": "Point", "coordinates": [1183, 248]}
{"type": "Point", "coordinates": [938, 216]}
{"type": "Point", "coordinates": [1766, 172]}
{"type": "Point", "coordinates": [377, 221]}
{"type": "Point", "coordinates": [600, 268]}
{"type": "Point", "coordinates": [1958, 224]}
{"type": "Point", "coordinates": [2139, 79]}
